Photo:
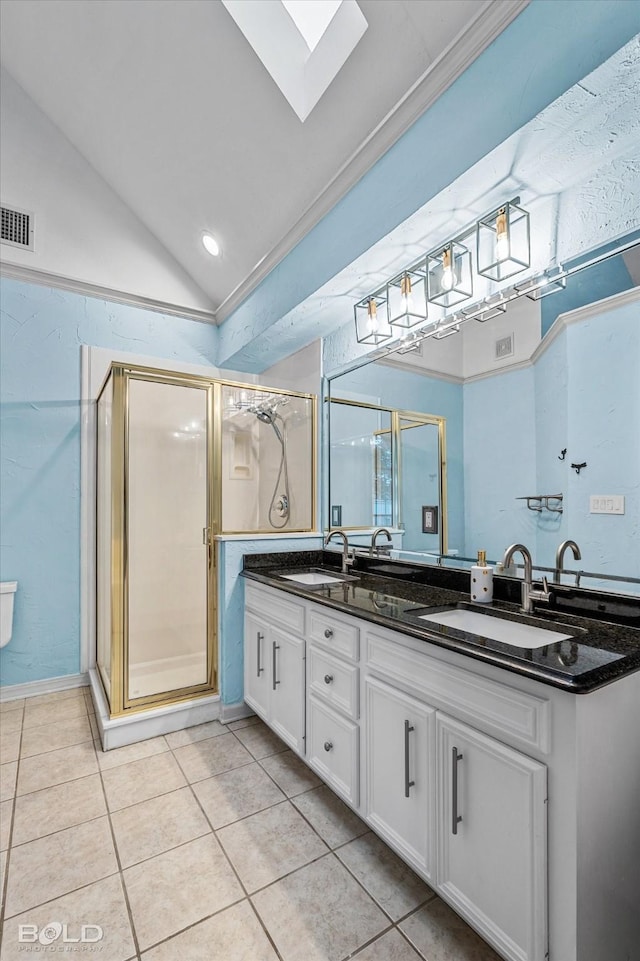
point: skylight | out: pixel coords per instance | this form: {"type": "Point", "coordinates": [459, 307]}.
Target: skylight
{"type": "Point", "coordinates": [302, 43]}
{"type": "Point", "coordinates": [312, 17]}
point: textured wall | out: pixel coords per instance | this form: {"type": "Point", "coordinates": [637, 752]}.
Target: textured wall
{"type": "Point", "coordinates": [42, 330]}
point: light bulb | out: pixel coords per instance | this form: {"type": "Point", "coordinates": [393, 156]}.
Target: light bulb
{"type": "Point", "coordinates": [372, 314]}
{"type": "Point", "coordinates": [448, 279]}
{"type": "Point", "coordinates": [211, 245]}
{"type": "Point", "coordinates": [503, 247]}
{"type": "Point", "coordinates": [406, 296]}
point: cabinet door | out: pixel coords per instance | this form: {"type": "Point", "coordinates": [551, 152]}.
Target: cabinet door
{"type": "Point", "coordinates": [400, 770]}
{"type": "Point", "coordinates": [286, 705]}
{"type": "Point", "coordinates": [256, 666]}
{"type": "Point", "coordinates": [492, 839]}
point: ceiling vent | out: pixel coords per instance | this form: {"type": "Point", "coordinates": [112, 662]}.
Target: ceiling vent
{"type": "Point", "coordinates": [17, 227]}
{"type": "Point", "coordinates": [504, 347]}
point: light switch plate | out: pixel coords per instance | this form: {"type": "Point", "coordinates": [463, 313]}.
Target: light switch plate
{"type": "Point", "coordinates": [606, 504]}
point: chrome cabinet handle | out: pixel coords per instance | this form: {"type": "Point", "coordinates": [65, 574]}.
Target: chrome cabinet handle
{"type": "Point", "coordinates": [259, 667]}
{"type": "Point", "coordinates": [328, 678]}
{"type": "Point", "coordinates": [328, 746]}
{"type": "Point", "coordinates": [408, 728]}
{"type": "Point", "coordinates": [276, 647]}
{"type": "Point", "coordinates": [328, 633]}
{"type": "Point", "coordinates": [455, 817]}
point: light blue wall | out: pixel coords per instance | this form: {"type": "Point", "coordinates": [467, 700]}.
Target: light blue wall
{"type": "Point", "coordinates": [231, 604]}
{"type": "Point", "coordinates": [597, 282]}
{"type": "Point", "coordinates": [41, 333]}
{"type": "Point", "coordinates": [546, 50]}
{"type": "Point", "coordinates": [429, 395]}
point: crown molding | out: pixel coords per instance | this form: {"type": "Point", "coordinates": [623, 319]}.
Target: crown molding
{"type": "Point", "coordinates": [452, 62]}
{"type": "Point", "coordinates": [596, 309]}
{"type": "Point", "coordinates": [419, 369]}
{"type": "Point", "coordinates": [32, 275]}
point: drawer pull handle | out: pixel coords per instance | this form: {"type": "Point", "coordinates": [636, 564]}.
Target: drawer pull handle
{"type": "Point", "coordinates": [455, 817]}
{"type": "Point", "coordinates": [328, 678]}
{"type": "Point", "coordinates": [260, 668]}
{"type": "Point", "coordinates": [328, 633]}
{"type": "Point", "coordinates": [328, 746]}
{"type": "Point", "coordinates": [408, 784]}
{"type": "Point", "coordinates": [276, 647]}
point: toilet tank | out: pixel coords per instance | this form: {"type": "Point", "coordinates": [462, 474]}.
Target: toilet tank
{"type": "Point", "coordinates": [7, 594]}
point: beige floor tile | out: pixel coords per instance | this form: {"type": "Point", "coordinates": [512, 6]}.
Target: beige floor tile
{"type": "Point", "coordinates": [3, 865]}
{"type": "Point", "coordinates": [390, 947]}
{"type": "Point", "coordinates": [319, 913]}
{"type": "Point", "coordinates": [176, 889]}
{"type": "Point", "coordinates": [36, 715]}
{"type": "Point", "coordinates": [236, 794]}
{"type": "Point", "coordinates": [332, 819]}
{"type": "Point", "coordinates": [290, 773]}
{"type": "Point", "coordinates": [200, 732]}
{"type": "Point", "coordinates": [71, 692]}
{"type": "Point", "coordinates": [9, 746]}
{"type": "Point", "coordinates": [132, 752]}
{"type": "Point", "coordinates": [270, 844]}
{"type": "Point", "coordinates": [7, 706]}
{"type": "Point", "coordinates": [440, 935]}
{"type": "Point", "coordinates": [55, 767]}
{"type": "Point", "coordinates": [234, 934]}
{"type": "Point", "coordinates": [140, 780]}
{"type": "Point", "coordinates": [95, 730]}
{"type": "Point", "coordinates": [57, 808]}
{"type": "Point", "coordinates": [213, 756]}
{"type": "Point", "coordinates": [395, 887]}
{"type": "Point", "coordinates": [11, 722]}
{"type": "Point", "coordinates": [6, 815]}
{"type": "Point", "coordinates": [50, 867]}
{"type": "Point", "coordinates": [260, 741]}
{"type": "Point", "coordinates": [243, 722]}
{"type": "Point", "coordinates": [155, 826]}
{"type": "Point", "coordinates": [51, 737]}
{"type": "Point", "coordinates": [100, 904]}
{"type": "Point", "coordinates": [8, 774]}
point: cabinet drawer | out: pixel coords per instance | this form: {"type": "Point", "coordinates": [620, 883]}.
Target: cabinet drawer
{"type": "Point", "coordinates": [333, 681]}
{"type": "Point", "coordinates": [332, 749]}
{"type": "Point", "coordinates": [493, 706]}
{"type": "Point", "coordinates": [275, 607]}
{"type": "Point", "coordinates": [334, 634]}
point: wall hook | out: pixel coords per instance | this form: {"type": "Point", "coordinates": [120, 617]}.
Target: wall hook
{"type": "Point", "coordinates": [578, 467]}
{"type": "Point", "coordinates": [563, 454]}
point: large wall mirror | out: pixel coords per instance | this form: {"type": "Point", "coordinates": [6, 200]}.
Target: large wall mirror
{"type": "Point", "coordinates": [542, 412]}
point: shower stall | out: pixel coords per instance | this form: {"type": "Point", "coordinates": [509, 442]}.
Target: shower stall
{"type": "Point", "coordinates": [181, 460]}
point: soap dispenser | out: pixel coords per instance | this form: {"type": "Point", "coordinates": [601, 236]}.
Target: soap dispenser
{"type": "Point", "coordinates": [481, 580]}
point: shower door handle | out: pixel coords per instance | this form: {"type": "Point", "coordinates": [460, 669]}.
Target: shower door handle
{"type": "Point", "coordinates": [276, 647]}
{"type": "Point", "coordinates": [260, 668]}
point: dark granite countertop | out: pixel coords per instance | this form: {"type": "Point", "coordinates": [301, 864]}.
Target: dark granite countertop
{"type": "Point", "coordinates": [392, 593]}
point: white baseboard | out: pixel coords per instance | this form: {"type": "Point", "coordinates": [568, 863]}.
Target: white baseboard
{"type": "Point", "coordinates": [234, 712]}
{"type": "Point", "coordinates": [50, 685]}
{"type": "Point", "coordinates": [120, 731]}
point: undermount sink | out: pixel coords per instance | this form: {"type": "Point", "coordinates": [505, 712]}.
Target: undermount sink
{"type": "Point", "coordinates": [318, 578]}
{"type": "Point", "coordinates": [497, 628]}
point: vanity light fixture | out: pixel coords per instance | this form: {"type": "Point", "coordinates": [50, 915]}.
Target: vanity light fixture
{"type": "Point", "coordinates": [449, 275]}
{"type": "Point", "coordinates": [372, 326]}
{"type": "Point", "coordinates": [503, 243]}
{"type": "Point", "coordinates": [407, 298]}
{"type": "Point", "coordinates": [211, 245]}
{"type": "Point", "coordinates": [550, 282]}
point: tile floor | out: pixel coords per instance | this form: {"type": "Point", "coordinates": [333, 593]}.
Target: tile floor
{"type": "Point", "coordinates": [210, 844]}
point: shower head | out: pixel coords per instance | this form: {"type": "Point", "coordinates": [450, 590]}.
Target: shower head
{"type": "Point", "coordinates": [266, 416]}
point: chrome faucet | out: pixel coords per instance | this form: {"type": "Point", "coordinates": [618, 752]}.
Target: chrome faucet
{"type": "Point", "coordinates": [346, 559]}
{"type": "Point", "coordinates": [529, 593]}
{"type": "Point", "coordinates": [374, 537]}
{"type": "Point", "coordinates": [560, 557]}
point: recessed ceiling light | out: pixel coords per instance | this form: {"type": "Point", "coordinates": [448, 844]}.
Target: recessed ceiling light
{"type": "Point", "coordinates": [211, 245]}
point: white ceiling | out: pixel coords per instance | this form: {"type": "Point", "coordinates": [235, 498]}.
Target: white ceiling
{"type": "Point", "coordinates": [170, 105]}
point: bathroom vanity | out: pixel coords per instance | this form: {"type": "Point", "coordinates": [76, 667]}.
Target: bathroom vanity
{"type": "Point", "coordinates": [506, 776]}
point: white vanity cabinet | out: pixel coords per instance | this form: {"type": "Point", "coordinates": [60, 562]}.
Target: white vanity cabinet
{"type": "Point", "coordinates": [274, 663]}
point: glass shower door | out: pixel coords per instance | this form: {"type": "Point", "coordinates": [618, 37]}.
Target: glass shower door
{"type": "Point", "coordinates": [168, 583]}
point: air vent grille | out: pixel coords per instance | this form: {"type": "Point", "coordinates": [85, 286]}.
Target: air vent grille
{"type": "Point", "coordinates": [504, 347]}
{"type": "Point", "coordinates": [17, 227]}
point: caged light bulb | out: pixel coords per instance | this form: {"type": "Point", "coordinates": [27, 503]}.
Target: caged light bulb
{"type": "Point", "coordinates": [503, 246]}
{"type": "Point", "coordinates": [448, 276]}
{"type": "Point", "coordinates": [406, 296]}
{"type": "Point", "coordinates": [372, 315]}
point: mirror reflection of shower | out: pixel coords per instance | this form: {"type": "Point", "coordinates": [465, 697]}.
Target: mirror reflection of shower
{"type": "Point", "coordinates": [267, 457]}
